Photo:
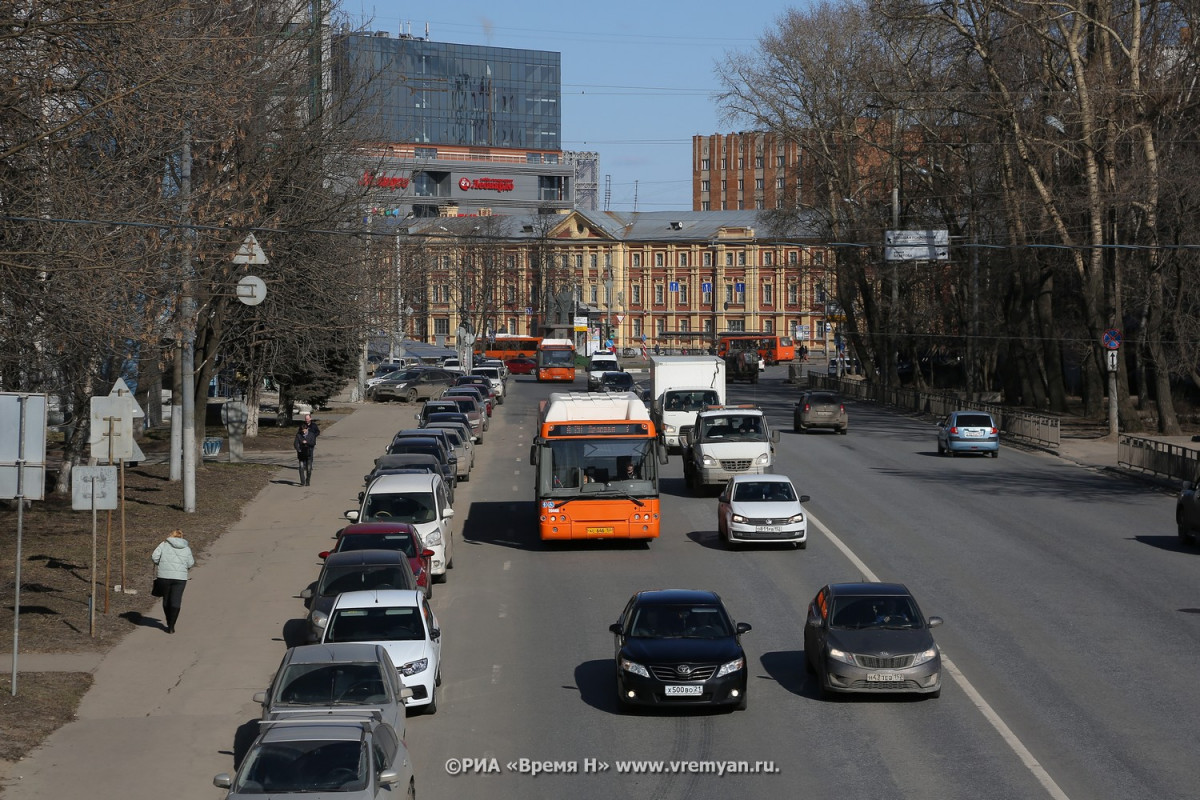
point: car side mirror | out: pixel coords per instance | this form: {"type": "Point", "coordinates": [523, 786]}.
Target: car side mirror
{"type": "Point", "coordinates": [742, 627]}
{"type": "Point", "coordinates": [933, 622]}
{"type": "Point", "coordinates": [324, 554]}
{"type": "Point", "coordinates": [427, 553]}
{"type": "Point", "coordinates": [260, 698]}
{"type": "Point", "coordinates": [352, 515]}
{"type": "Point", "coordinates": [222, 780]}
{"type": "Point", "coordinates": [320, 619]}
{"type": "Point", "coordinates": [307, 593]}
{"type": "Point", "coordinates": [388, 777]}
{"type": "Point", "coordinates": [532, 453]}
{"type": "Point", "coordinates": [435, 633]}
{"type": "Point", "coordinates": [804, 498]}
{"type": "Point", "coordinates": [448, 512]}
{"type": "Point", "coordinates": [615, 628]}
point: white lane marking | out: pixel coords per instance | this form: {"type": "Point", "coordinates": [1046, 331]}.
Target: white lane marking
{"type": "Point", "coordinates": [507, 566]}
{"type": "Point", "coordinates": [503, 611]}
{"type": "Point", "coordinates": [495, 673]}
{"type": "Point", "coordinates": [1006, 733]}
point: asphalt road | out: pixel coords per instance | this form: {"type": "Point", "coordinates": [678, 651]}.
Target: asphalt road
{"type": "Point", "coordinates": [1071, 623]}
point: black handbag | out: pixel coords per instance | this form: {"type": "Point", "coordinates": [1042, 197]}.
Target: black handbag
{"type": "Point", "coordinates": [157, 590]}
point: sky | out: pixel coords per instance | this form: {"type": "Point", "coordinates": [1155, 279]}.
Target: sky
{"type": "Point", "coordinates": [638, 78]}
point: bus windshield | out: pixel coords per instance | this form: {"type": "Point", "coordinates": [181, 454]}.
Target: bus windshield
{"type": "Point", "coordinates": [556, 358]}
{"type": "Point", "coordinates": [570, 467]}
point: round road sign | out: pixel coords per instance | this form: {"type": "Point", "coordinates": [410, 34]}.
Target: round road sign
{"type": "Point", "coordinates": [1112, 338]}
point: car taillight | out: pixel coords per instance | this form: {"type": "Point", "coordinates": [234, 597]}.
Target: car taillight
{"type": "Point", "coordinates": [995, 431]}
{"type": "Point", "coordinates": [842, 407]}
{"type": "Point", "coordinates": [807, 407]}
{"type": "Point", "coordinates": [954, 430]}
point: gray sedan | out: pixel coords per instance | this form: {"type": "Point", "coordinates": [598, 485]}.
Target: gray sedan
{"type": "Point", "coordinates": [412, 385]}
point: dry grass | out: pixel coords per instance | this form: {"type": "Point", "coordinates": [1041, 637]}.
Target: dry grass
{"type": "Point", "coordinates": [56, 567]}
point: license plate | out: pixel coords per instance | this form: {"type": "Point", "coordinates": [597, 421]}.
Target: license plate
{"type": "Point", "coordinates": [769, 529]}
{"type": "Point", "coordinates": [884, 677]}
{"type": "Point", "coordinates": [973, 434]}
{"type": "Point", "coordinates": [677, 691]}
{"type": "Point", "coordinates": [600, 531]}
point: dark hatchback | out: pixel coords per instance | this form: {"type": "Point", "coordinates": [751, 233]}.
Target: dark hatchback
{"type": "Point", "coordinates": [871, 638]}
{"type": "Point", "coordinates": [679, 647]}
{"type": "Point", "coordinates": [351, 572]}
{"type": "Point", "coordinates": [398, 536]}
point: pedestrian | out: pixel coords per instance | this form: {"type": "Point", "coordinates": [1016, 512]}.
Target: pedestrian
{"type": "Point", "coordinates": [173, 558]}
{"type": "Point", "coordinates": [306, 445]}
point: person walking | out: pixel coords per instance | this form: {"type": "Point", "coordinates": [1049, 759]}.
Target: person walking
{"type": "Point", "coordinates": [306, 445]}
{"type": "Point", "coordinates": [173, 558]}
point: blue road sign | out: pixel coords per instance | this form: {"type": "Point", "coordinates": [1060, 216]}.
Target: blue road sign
{"type": "Point", "coordinates": [1112, 338]}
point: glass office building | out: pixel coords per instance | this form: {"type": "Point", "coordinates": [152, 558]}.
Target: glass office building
{"type": "Point", "coordinates": [417, 91]}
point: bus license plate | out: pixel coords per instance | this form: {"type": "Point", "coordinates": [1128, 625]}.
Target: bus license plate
{"type": "Point", "coordinates": [677, 691]}
{"type": "Point", "coordinates": [884, 677]}
{"type": "Point", "coordinates": [600, 531]}
{"type": "Point", "coordinates": [769, 529]}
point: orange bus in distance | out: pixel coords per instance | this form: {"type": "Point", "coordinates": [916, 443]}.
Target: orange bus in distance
{"type": "Point", "coordinates": [556, 360]}
{"type": "Point", "coordinates": [595, 461]}
{"type": "Point", "coordinates": [772, 347]}
{"type": "Point", "coordinates": [508, 345]}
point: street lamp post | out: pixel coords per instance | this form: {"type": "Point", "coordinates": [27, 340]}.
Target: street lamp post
{"type": "Point", "coordinates": [712, 246]}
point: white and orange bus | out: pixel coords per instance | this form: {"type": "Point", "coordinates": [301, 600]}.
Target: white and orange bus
{"type": "Point", "coordinates": [508, 345]}
{"type": "Point", "coordinates": [771, 346]}
{"type": "Point", "coordinates": [556, 360]}
{"type": "Point", "coordinates": [595, 464]}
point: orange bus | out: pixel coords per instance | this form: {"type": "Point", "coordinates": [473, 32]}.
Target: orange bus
{"type": "Point", "coordinates": [595, 464]}
{"type": "Point", "coordinates": [772, 347]}
{"type": "Point", "coordinates": [508, 345]}
{"type": "Point", "coordinates": [556, 360]}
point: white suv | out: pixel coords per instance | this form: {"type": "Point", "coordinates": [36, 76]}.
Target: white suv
{"type": "Point", "coordinates": [601, 362]}
{"type": "Point", "coordinates": [421, 500]}
{"type": "Point", "coordinates": [495, 378]}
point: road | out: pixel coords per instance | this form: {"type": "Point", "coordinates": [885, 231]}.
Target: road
{"type": "Point", "coordinates": [1072, 622]}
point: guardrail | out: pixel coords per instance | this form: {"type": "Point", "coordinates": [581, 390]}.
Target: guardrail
{"type": "Point", "coordinates": [1037, 428]}
{"type": "Point", "coordinates": [1161, 458]}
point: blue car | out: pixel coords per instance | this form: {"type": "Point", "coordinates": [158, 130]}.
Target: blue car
{"type": "Point", "coordinates": [968, 432]}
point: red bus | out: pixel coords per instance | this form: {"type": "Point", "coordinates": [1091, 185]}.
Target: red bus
{"type": "Point", "coordinates": [508, 345]}
{"type": "Point", "coordinates": [595, 464]}
{"type": "Point", "coordinates": [556, 360]}
{"type": "Point", "coordinates": [772, 347]}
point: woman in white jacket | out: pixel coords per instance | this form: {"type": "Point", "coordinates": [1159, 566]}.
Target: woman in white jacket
{"type": "Point", "coordinates": [174, 558]}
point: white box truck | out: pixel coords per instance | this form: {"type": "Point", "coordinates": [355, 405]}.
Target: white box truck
{"type": "Point", "coordinates": [679, 387]}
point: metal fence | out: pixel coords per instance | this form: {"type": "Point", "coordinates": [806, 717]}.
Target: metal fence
{"type": "Point", "coordinates": [1161, 458]}
{"type": "Point", "coordinates": [1037, 428]}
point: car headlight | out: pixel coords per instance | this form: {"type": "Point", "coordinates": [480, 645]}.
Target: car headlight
{"type": "Point", "coordinates": [433, 537]}
{"type": "Point", "coordinates": [739, 518]}
{"type": "Point", "coordinates": [634, 667]}
{"type": "Point", "coordinates": [708, 461]}
{"type": "Point", "coordinates": [922, 658]}
{"type": "Point", "coordinates": [841, 655]}
{"type": "Point", "coordinates": [763, 460]}
{"type": "Point", "coordinates": [797, 518]}
{"type": "Point", "coordinates": [413, 667]}
{"type": "Point", "coordinates": [732, 666]}
{"type": "Point", "coordinates": [668, 428]}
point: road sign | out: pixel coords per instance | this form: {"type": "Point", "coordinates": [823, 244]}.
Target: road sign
{"type": "Point", "coordinates": [96, 485]}
{"type": "Point", "coordinates": [1111, 338]}
{"type": "Point", "coordinates": [706, 286]}
{"type": "Point", "coordinates": [673, 286]}
{"type": "Point", "coordinates": [1112, 360]}
{"type": "Point", "coordinates": [250, 252]}
{"type": "Point", "coordinates": [923, 245]}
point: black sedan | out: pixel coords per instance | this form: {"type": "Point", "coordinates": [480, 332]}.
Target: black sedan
{"type": "Point", "coordinates": [871, 638]}
{"type": "Point", "coordinates": [678, 647]}
{"type": "Point", "coordinates": [620, 382]}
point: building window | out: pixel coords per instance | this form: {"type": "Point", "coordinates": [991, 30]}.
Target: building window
{"type": "Point", "coordinates": [758, 204]}
{"type": "Point", "coordinates": [779, 161]}
{"type": "Point", "coordinates": [741, 184]}
{"type": "Point", "coordinates": [441, 327]}
{"type": "Point", "coordinates": [683, 294]}
{"type": "Point", "coordinates": [741, 258]}
{"type": "Point", "coordinates": [724, 184]}
{"type": "Point", "coordinates": [706, 186]}
{"type": "Point", "coordinates": [660, 326]}
{"type": "Point", "coordinates": [707, 325]}
{"type": "Point", "coordinates": [741, 163]}
{"type": "Point", "coordinates": [793, 257]}
{"type": "Point", "coordinates": [551, 158]}
{"type": "Point", "coordinates": [706, 165]}
{"type": "Point", "coordinates": [779, 184]}
{"type": "Point", "coordinates": [758, 184]}
{"type": "Point", "coordinates": [658, 294]}
{"type": "Point", "coordinates": [768, 258]}
{"type": "Point", "coordinates": [729, 258]}
{"type": "Point", "coordinates": [793, 295]}
{"type": "Point", "coordinates": [728, 292]}
{"type": "Point", "coordinates": [635, 294]}
{"type": "Point", "coordinates": [424, 152]}
{"type": "Point", "coordinates": [768, 294]}
{"type": "Point", "coordinates": [768, 326]}
{"type": "Point", "coordinates": [736, 325]}
{"type": "Point", "coordinates": [819, 257]}
{"type": "Point", "coordinates": [724, 165]}
{"type": "Point", "coordinates": [658, 259]}
{"type": "Point", "coordinates": [595, 294]}
{"type": "Point", "coordinates": [637, 328]}
{"type": "Point", "coordinates": [683, 259]}
{"type": "Point", "coordinates": [579, 263]}
{"type": "Point", "coordinates": [512, 325]}
{"type": "Point", "coordinates": [758, 162]}
{"type": "Point", "coordinates": [446, 262]}
{"type": "Point", "coordinates": [510, 294]}
{"type": "Point", "coordinates": [595, 260]}
{"type": "Point", "coordinates": [635, 259]}
{"type": "Point", "coordinates": [706, 259]}
{"type": "Point", "coordinates": [533, 158]}
{"type": "Point", "coordinates": [705, 205]}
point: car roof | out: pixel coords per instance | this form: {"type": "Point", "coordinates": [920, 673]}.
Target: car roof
{"type": "Point", "coordinates": [408, 433]}
{"type": "Point", "coordinates": [402, 460]}
{"type": "Point", "coordinates": [763, 478]}
{"type": "Point", "coordinates": [369, 598]}
{"type": "Point", "coordinates": [422, 438]}
{"type": "Point", "coordinates": [450, 416]}
{"type": "Point", "coordinates": [376, 527]}
{"type": "Point", "coordinates": [676, 596]}
{"type": "Point", "coordinates": [364, 558]}
{"type": "Point", "coordinates": [864, 588]}
{"type": "Point", "coordinates": [326, 730]}
{"type": "Point", "coordinates": [401, 483]}
{"type": "Point", "coordinates": [334, 653]}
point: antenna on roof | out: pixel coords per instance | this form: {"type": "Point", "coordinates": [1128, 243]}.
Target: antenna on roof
{"type": "Point", "coordinates": [635, 190]}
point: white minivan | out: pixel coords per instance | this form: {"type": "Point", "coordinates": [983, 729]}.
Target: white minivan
{"type": "Point", "coordinates": [419, 499]}
{"type": "Point", "coordinates": [602, 361]}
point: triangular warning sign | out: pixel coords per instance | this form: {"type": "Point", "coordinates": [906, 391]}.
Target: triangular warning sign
{"type": "Point", "coordinates": [250, 252]}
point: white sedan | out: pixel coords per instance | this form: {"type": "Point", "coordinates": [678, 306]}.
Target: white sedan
{"type": "Point", "coordinates": [762, 508]}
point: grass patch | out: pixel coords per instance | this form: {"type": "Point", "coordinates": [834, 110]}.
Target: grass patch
{"type": "Point", "coordinates": [45, 701]}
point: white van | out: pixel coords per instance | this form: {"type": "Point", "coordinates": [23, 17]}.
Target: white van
{"type": "Point", "coordinates": [422, 501]}
{"type": "Point", "coordinates": [602, 361]}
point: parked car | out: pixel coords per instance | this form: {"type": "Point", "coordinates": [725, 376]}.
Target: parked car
{"type": "Point", "coordinates": [521, 365]}
{"type": "Point", "coordinates": [435, 407]}
{"type": "Point", "coordinates": [400, 537]}
{"type": "Point", "coordinates": [382, 371]}
{"type": "Point", "coordinates": [463, 442]}
{"type": "Point", "coordinates": [353, 571]}
{"type": "Point", "coordinates": [333, 679]}
{"type": "Point", "coordinates": [600, 362]}
{"type": "Point", "coordinates": [481, 391]}
{"type": "Point", "coordinates": [452, 416]}
{"type": "Point", "coordinates": [404, 624]}
{"type": "Point", "coordinates": [818, 409]}
{"type": "Point", "coordinates": [356, 758]}
{"type": "Point", "coordinates": [461, 456]}
{"type": "Point", "coordinates": [406, 464]}
{"type": "Point", "coordinates": [871, 637]}
{"type": "Point", "coordinates": [475, 414]}
{"type": "Point", "coordinates": [762, 508]}
{"type": "Point", "coordinates": [495, 378]}
{"type": "Point", "coordinates": [620, 382]}
{"type": "Point", "coordinates": [421, 501]}
{"type": "Point", "coordinates": [412, 385]}
{"type": "Point", "coordinates": [498, 364]}
{"type": "Point", "coordinates": [968, 432]}
{"type": "Point", "coordinates": [679, 647]}
{"type": "Point", "coordinates": [434, 446]}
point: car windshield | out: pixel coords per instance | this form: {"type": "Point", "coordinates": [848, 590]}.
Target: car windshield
{"type": "Point", "coordinates": [304, 766]}
{"type": "Point", "coordinates": [621, 380]}
{"type": "Point", "coordinates": [680, 622]}
{"type": "Point", "coordinates": [376, 624]}
{"type": "Point", "coordinates": [467, 405]}
{"type": "Point", "coordinates": [741, 427]}
{"type": "Point", "coordinates": [378, 541]}
{"type": "Point", "coordinates": [331, 684]}
{"type": "Point", "coordinates": [823, 399]}
{"type": "Point", "coordinates": [448, 416]}
{"type": "Point", "coordinates": [411, 507]}
{"type": "Point", "coordinates": [409, 447]}
{"type": "Point", "coordinates": [973, 421]}
{"type": "Point", "coordinates": [861, 612]}
{"type": "Point", "coordinates": [764, 492]}
{"type": "Point", "coordinates": [355, 577]}
{"type": "Point", "coordinates": [690, 401]}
